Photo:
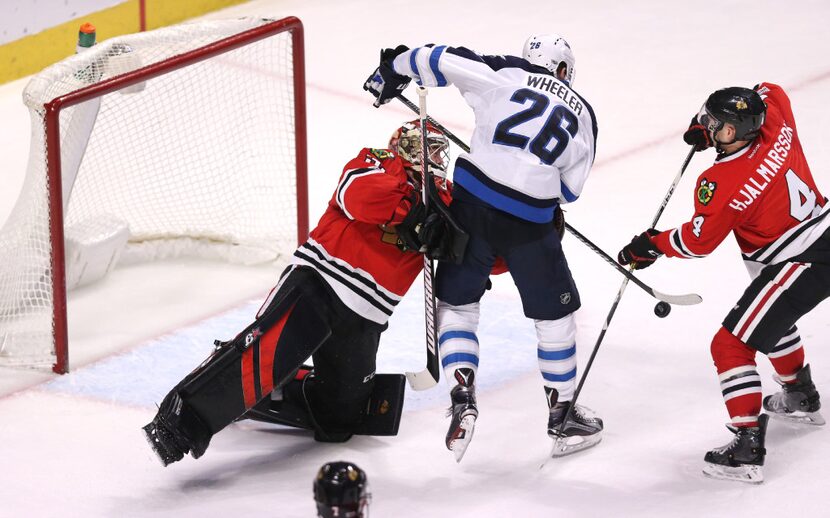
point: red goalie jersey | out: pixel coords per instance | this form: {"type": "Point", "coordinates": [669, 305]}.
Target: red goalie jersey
{"type": "Point", "coordinates": [354, 244]}
{"type": "Point", "coordinates": [764, 193]}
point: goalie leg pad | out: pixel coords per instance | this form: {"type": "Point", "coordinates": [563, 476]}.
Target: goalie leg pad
{"type": "Point", "coordinates": [266, 354]}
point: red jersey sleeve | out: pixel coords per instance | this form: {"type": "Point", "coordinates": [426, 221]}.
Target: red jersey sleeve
{"type": "Point", "coordinates": [373, 188]}
{"type": "Point", "coordinates": [712, 221]}
{"type": "Point", "coordinates": [777, 101]}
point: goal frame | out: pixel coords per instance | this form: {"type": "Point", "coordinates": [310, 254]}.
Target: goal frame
{"type": "Point", "coordinates": [52, 111]}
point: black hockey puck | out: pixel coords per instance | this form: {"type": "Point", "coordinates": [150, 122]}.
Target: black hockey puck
{"type": "Point", "coordinates": [662, 309]}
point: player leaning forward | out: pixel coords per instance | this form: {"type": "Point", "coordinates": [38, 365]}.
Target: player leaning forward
{"type": "Point", "coordinates": [532, 149]}
{"type": "Point", "coordinates": [761, 189]}
{"type": "Point", "coordinates": [333, 302]}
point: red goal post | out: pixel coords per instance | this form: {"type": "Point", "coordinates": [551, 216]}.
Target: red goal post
{"type": "Point", "coordinates": [186, 140]}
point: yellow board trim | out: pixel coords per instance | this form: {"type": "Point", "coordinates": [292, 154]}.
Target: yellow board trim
{"type": "Point", "coordinates": [161, 13]}
{"type": "Point", "coordinates": [32, 54]}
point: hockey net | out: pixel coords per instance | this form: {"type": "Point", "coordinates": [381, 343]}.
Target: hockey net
{"type": "Point", "coordinates": [184, 141]}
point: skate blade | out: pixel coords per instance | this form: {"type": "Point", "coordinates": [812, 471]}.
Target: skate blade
{"type": "Point", "coordinates": [459, 446]}
{"type": "Point", "coordinates": [810, 418]}
{"type": "Point", "coordinates": [147, 432]}
{"type": "Point", "coordinates": [563, 446]}
{"type": "Point", "coordinates": [750, 474]}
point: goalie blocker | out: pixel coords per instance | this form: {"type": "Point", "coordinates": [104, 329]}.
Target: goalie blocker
{"type": "Point", "coordinates": [301, 318]}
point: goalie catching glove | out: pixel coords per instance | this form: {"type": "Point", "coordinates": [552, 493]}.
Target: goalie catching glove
{"type": "Point", "coordinates": [421, 232]}
{"type": "Point", "coordinates": [641, 252]}
{"type": "Point", "coordinates": [384, 83]}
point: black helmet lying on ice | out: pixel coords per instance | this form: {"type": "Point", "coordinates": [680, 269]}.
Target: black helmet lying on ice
{"type": "Point", "coordinates": [738, 106]}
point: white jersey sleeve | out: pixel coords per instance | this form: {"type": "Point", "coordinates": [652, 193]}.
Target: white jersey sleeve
{"type": "Point", "coordinates": [535, 137]}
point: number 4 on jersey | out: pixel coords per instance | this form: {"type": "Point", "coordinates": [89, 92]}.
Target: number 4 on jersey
{"type": "Point", "coordinates": [802, 198]}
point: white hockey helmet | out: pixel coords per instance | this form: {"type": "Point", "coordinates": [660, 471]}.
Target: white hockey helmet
{"type": "Point", "coordinates": [552, 52]}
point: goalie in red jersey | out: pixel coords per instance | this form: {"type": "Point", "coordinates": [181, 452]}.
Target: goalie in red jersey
{"type": "Point", "coordinates": [331, 304]}
{"type": "Point", "coordinates": [760, 188]}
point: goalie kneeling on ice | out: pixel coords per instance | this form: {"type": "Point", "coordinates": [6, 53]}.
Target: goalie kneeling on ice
{"type": "Point", "coordinates": [93, 248]}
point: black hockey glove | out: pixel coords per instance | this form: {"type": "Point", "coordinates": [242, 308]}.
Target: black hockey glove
{"type": "Point", "coordinates": [384, 83]}
{"type": "Point", "coordinates": [410, 228]}
{"type": "Point", "coordinates": [697, 135]}
{"type": "Point", "coordinates": [435, 237]}
{"type": "Point", "coordinates": [559, 222]}
{"type": "Point", "coordinates": [640, 252]}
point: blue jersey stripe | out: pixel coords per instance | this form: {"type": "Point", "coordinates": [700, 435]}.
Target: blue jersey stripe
{"type": "Point", "coordinates": [433, 65]}
{"type": "Point", "coordinates": [460, 358]}
{"type": "Point", "coordinates": [449, 335]}
{"type": "Point", "coordinates": [501, 201]}
{"type": "Point", "coordinates": [414, 65]}
{"type": "Point", "coordinates": [562, 354]}
{"type": "Point", "coordinates": [566, 193]}
{"type": "Point", "coordinates": [559, 377]}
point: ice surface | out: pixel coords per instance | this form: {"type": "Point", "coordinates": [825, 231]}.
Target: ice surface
{"type": "Point", "coordinates": [72, 446]}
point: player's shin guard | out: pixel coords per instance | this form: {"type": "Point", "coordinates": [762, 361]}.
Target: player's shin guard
{"type": "Point", "coordinates": [457, 341]}
{"type": "Point", "coordinates": [739, 380]}
{"type": "Point", "coordinates": [787, 357]}
{"type": "Point", "coordinates": [557, 355]}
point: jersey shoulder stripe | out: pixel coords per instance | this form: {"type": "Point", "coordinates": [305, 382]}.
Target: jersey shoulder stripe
{"type": "Point", "coordinates": [496, 63]}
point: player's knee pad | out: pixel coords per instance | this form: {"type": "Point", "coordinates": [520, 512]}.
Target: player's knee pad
{"type": "Point", "coordinates": [556, 333]}
{"type": "Point", "coordinates": [263, 356]}
{"type": "Point", "coordinates": [728, 352]}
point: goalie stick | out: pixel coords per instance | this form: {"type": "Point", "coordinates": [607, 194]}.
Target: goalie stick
{"type": "Point", "coordinates": [428, 377]}
{"type": "Point", "coordinates": [688, 299]}
{"type": "Point", "coordinates": [556, 445]}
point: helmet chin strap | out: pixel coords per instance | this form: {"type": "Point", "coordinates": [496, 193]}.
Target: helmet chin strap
{"type": "Point", "coordinates": [718, 143]}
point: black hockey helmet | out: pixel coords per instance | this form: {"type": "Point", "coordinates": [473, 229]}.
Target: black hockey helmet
{"type": "Point", "coordinates": [741, 107]}
{"type": "Point", "coordinates": [341, 490]}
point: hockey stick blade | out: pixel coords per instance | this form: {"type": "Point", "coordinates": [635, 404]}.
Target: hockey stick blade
{"type": "Point", "coordinates": [689, 299]}
{"type": "Point", "coordinates": [421, 380]}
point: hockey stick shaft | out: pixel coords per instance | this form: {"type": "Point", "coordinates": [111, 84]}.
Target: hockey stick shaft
{"type": "Point", "coordinates": [428, 377]}
{"type": "Point", "coordinates": [616, 303]}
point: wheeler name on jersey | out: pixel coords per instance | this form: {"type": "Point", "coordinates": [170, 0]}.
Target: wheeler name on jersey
{"type": "Point", "coordinates": [557, 88]}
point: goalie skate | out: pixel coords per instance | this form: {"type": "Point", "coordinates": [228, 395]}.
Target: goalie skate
{"type": "Point", "coordinates": [742, 459]}
{"type": "Point", "coordinates": [464, 413]}
{"type": "Point", "coordinates": [582, 431]}
{"type": "Point", "coordinates": [796, 402]}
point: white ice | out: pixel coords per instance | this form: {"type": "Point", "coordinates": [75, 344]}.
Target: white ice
{"type": "Point", "coordinates": [71, 445]}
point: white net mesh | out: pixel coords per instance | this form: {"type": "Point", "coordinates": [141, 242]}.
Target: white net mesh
{"type": "Point", "coordinates": [198, 161]}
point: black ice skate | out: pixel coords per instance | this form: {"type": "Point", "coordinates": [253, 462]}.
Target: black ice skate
{"type": "Point", "coordinates": [742, 458]}
{"type": "Point", "coordinates": [464, 413]}
{"type": "Point", "coordinates": [581, 432]}
{"type": "Point", "coordinates": [797, 402]}
{"type": "Point", "coordinates": [172, 435]}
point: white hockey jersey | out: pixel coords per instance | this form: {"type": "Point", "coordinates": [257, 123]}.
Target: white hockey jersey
{"type": "Point", "coordinates": [535, 137]}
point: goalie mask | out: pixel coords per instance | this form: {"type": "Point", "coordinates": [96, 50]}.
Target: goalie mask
{"type": "Point", "coordinates": [406, 141]}
{"type": "Point", "coordinates": [552, 52]}
{"type": "Point", "coordinates": [341, 490]}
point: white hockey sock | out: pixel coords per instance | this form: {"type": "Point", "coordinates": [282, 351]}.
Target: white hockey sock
{"type": "Point", "coordinates": [457, 340]}
{"type": "Point", "coordinates": [557, 354]}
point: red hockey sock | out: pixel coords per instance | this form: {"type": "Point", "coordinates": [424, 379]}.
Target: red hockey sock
{"type": "Point", "coordinates": [739, 380]}
{"type": "Point", "coordinates": [788, 366]}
